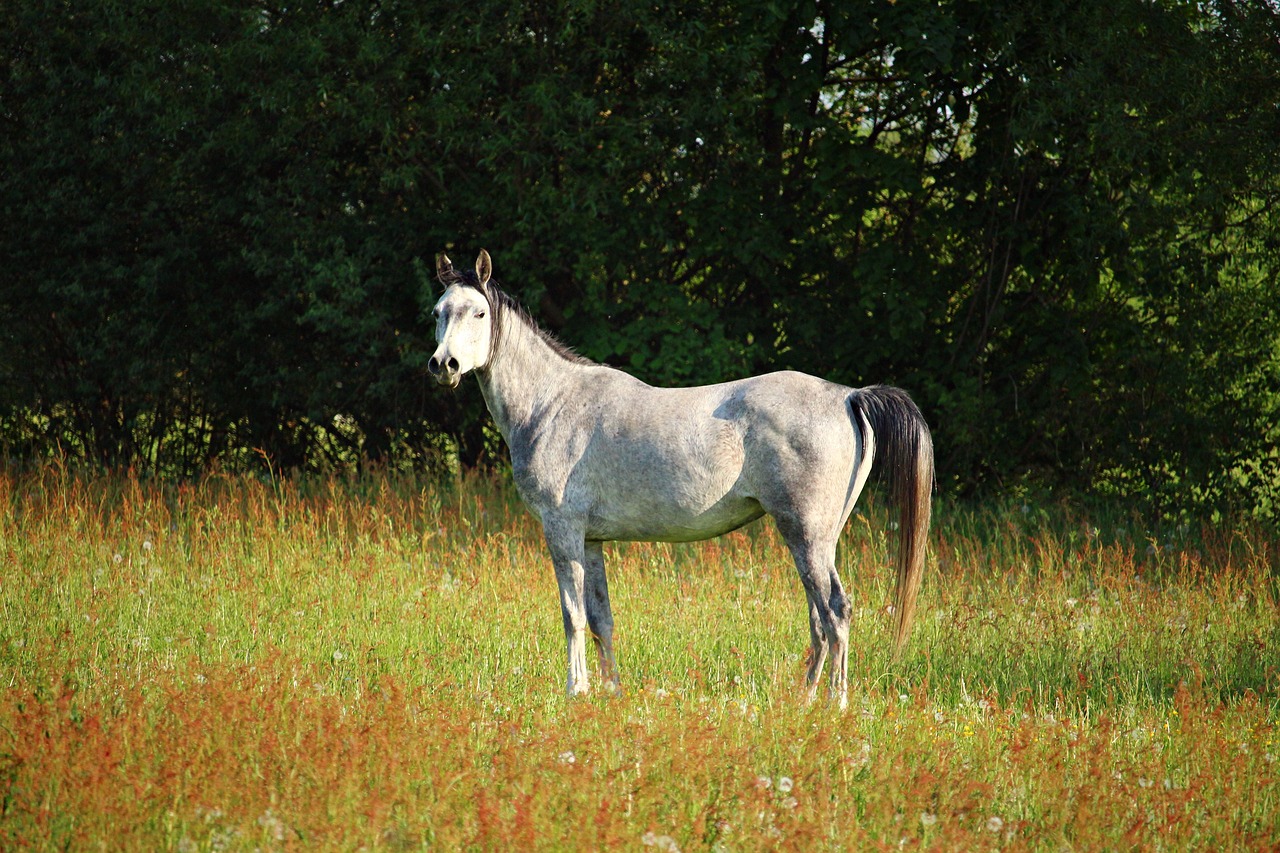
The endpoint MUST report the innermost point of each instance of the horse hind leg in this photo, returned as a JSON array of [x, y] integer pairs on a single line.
[[600, 615], [818, 651], [828, 612], [833, 612]]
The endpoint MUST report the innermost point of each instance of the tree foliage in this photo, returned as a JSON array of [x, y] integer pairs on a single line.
[[1055, 223]]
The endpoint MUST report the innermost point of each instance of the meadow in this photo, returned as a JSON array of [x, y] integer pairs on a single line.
[[377, 663]]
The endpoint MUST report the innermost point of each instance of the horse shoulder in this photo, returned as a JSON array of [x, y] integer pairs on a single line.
[[548, 450]]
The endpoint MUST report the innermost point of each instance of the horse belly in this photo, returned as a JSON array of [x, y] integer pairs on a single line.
[[669, 521], [678, 491]]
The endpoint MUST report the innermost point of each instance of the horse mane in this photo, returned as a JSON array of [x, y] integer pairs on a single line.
[[504, 307]]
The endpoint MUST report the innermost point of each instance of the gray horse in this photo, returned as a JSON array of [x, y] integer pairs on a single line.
[[599, 455]]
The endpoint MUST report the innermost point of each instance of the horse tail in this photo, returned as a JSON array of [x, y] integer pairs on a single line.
[[902, 437]]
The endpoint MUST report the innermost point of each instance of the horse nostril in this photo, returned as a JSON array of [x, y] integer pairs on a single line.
[[453, 365], [433, 365]]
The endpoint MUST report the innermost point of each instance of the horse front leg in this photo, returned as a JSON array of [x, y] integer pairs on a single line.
[[568, 555], [600, 615]]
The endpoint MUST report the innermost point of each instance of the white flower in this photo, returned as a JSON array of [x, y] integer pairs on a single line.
[[338, 655], [994, 824], [272, 824], [662, 842], [785, 784], [927, 819], [764, 782], [567, 757], [146, 544]]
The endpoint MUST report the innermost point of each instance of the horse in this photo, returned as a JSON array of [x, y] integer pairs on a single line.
[[599, 456]]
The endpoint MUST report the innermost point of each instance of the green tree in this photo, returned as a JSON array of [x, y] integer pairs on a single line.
[[1053, 222]]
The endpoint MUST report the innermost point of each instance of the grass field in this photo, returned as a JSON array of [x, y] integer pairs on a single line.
[[377, 663]]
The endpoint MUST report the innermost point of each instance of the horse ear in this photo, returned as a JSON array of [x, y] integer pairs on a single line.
[[444, 268], [484, 269]]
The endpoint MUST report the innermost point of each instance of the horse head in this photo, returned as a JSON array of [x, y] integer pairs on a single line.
[[464, 321]]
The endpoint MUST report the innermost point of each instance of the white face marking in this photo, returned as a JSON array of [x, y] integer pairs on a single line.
[[464, 332]]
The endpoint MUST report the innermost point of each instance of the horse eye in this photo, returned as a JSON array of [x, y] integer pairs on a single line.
[[479, 315]]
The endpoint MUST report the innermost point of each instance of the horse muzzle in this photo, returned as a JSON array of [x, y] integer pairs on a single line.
[[445, 371]]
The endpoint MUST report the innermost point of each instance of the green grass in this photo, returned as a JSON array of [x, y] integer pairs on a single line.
[[379, 663]]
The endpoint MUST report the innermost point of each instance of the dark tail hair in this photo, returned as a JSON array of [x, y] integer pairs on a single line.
[[904, 448]]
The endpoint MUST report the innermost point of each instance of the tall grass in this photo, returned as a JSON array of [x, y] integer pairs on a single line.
[[377, 663]]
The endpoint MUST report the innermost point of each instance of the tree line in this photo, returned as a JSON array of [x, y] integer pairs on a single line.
[[1054, 223]]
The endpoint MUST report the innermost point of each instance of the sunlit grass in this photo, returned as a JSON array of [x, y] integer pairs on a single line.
[[378, 663]]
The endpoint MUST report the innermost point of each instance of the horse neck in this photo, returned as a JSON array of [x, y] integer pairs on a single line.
[[523, 374]]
